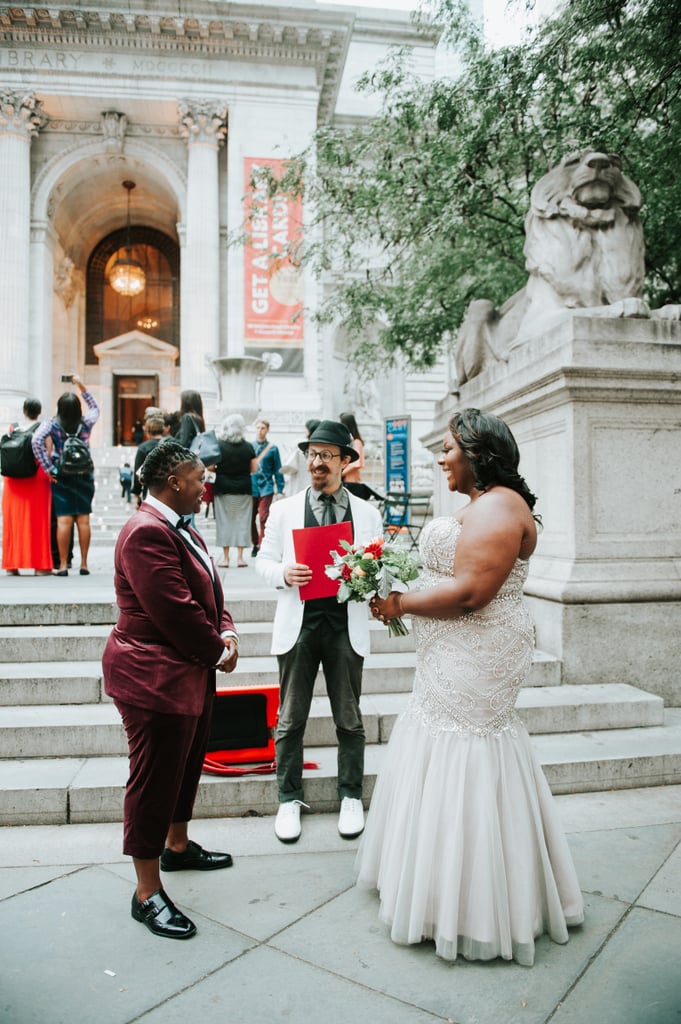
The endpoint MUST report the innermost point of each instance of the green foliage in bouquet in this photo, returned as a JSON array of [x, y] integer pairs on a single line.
[[374, 570]]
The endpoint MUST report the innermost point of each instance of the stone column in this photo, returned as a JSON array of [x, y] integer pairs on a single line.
[[203, 125], [43, 373], [20, 119]]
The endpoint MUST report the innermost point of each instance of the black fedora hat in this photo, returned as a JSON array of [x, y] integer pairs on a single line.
[[331, 432]]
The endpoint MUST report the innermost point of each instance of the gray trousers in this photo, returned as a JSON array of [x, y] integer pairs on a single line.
[[298, 669]]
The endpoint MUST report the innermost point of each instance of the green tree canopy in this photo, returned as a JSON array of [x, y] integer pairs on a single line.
[[421, 209]]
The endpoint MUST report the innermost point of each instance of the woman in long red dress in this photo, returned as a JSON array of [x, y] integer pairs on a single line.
[[26, 510]]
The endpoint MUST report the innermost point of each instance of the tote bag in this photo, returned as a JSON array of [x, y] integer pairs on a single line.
[[207, 447]]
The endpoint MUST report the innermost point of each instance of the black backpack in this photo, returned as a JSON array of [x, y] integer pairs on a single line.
[[75, 459], [16, 454]]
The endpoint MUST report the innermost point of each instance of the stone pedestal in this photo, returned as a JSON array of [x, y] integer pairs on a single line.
[[595, 405]]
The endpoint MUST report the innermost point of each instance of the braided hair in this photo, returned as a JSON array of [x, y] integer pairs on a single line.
[[492, 452], [162, 461]]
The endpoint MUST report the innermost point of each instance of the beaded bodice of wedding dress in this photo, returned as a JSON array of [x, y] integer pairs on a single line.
[[471, 668]]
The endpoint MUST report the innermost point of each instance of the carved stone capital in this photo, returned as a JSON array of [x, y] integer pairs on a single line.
[[114, 126], [20, 113], [203, 121]]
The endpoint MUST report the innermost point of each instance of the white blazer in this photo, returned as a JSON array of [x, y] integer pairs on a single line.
[[276, 551]]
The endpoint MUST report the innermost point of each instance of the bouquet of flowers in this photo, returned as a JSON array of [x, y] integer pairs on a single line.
[[375, 569]]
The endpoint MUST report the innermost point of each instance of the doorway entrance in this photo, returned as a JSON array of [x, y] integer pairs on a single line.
[[132, 395]]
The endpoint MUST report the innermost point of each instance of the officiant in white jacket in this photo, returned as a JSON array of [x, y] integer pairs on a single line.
[[310, 633]]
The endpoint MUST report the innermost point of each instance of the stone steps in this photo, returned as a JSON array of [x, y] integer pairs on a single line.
[[61, 679], [82, 632], [50, 683], [62, 747], [71, 681], [86, 642], [95, 730], [79, 790], [53, 643]]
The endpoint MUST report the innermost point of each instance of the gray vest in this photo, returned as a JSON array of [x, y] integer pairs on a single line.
[[324, 609]]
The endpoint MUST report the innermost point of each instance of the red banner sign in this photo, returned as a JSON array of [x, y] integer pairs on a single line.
[[273, 288]]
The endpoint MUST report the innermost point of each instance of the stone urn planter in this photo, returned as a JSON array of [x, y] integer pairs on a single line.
[[239, 379]]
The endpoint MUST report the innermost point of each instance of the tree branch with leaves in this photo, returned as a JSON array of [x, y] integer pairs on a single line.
[[420, 209]]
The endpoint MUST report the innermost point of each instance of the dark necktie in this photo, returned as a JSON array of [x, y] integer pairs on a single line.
[[328, 512], [183, 523]]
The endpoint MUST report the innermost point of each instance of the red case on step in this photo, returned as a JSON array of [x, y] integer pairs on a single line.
[[242, 727], [241, 740]]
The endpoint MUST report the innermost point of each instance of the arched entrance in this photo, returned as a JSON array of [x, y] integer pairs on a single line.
[[155, 309], [79, 198]]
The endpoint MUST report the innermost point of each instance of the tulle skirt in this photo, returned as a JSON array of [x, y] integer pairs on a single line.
[[464, 845]]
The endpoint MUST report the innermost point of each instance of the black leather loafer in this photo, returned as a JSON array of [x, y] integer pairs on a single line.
[[194, 858], [162, 917]]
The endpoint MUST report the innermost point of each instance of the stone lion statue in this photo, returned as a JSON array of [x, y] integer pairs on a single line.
[[584, 253]]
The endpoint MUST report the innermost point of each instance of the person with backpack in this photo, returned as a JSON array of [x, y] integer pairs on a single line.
[[61, 446], [26, 499]]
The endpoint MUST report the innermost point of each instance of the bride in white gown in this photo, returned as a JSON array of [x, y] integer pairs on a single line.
[[463, 840]]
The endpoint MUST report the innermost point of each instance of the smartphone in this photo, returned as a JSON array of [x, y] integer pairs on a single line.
[[67, 378]]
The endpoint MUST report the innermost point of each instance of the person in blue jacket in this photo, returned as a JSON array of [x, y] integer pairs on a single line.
[[264, 482]]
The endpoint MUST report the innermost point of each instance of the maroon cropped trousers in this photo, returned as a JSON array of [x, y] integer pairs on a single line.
[[166, 758]]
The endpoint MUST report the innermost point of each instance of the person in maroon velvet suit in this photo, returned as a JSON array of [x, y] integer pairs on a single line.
[[159, 666]]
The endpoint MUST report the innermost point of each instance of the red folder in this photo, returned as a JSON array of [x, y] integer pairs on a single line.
[[313, 547]]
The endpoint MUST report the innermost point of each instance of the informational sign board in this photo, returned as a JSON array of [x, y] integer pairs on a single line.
[[397, 447]]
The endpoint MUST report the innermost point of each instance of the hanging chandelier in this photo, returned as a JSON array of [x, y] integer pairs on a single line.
[[127, 276], [147, 323]]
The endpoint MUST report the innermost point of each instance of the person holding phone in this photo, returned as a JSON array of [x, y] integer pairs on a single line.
[[71, 495]]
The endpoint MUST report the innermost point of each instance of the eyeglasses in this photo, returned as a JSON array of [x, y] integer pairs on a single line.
[[322, 456]]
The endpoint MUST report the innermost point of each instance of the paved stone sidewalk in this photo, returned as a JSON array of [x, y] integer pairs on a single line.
[[285, 936]]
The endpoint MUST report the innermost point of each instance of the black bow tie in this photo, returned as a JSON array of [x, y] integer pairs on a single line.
[[183, 523]]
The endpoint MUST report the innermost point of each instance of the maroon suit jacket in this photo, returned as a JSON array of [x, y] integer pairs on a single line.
[[162, 651]]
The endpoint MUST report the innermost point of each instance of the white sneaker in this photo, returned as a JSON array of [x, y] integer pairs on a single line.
[[287, 824], [351, 818]]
